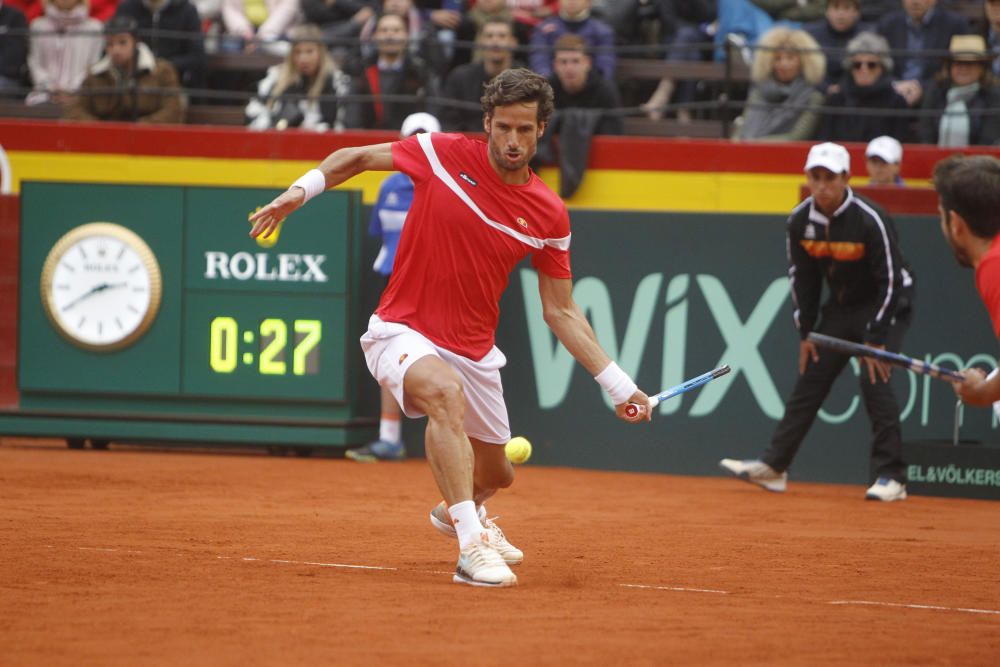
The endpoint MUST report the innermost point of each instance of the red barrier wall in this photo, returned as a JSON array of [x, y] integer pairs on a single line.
[[9, 251]]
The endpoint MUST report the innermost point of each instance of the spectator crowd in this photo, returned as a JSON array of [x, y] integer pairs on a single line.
[[829, 70]]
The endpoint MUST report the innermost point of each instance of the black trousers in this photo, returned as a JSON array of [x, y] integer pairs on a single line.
[[814, 385]]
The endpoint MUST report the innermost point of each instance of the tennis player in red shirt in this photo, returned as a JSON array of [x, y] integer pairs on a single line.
[[478, 209], [969, 200]]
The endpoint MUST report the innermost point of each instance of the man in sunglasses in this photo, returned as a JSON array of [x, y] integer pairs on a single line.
[[865, 104]]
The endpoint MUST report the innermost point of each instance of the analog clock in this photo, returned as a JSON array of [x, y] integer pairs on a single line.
[[101, 286]]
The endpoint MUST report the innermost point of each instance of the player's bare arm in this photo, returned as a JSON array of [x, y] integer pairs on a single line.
[[564, 318], [338, 167]]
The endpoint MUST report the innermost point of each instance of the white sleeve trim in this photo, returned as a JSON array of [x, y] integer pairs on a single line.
[[888, 257]]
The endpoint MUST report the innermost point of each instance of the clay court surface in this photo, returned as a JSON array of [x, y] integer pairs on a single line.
[[165, 557]]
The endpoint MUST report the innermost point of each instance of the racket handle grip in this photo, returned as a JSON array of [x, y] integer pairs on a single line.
[[632, 409]]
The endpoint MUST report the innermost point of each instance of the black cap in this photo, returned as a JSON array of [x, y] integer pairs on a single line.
[[117, 25]]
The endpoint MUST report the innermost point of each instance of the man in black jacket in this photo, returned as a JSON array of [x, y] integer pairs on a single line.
[[13, 50], [394, 84], [841, 23], [465, 83], [161, 23], [919, 26], [576, 84], [837, 234]]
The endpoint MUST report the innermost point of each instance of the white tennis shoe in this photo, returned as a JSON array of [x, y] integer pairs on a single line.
[[511, 554], [887, 490], [479, 564], [756, 472]]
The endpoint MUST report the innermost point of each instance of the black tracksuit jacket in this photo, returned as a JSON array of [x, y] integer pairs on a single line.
[[858, 253]]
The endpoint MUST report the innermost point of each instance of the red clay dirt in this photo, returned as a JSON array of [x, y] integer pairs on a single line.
[[169, 557]]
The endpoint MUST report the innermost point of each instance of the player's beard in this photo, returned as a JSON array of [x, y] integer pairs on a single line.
[[961, 256], [505, 163]]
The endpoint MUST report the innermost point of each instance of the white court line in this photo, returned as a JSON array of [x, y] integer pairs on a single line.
[[675, 588], [124, 551], [682, 589], [346, 566], [916, 606]]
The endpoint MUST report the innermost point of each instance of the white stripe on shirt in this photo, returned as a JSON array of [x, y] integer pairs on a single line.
[[446, 178]]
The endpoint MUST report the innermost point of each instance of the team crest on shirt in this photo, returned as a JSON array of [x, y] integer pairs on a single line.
[[392, 199], [810, 232], [521, 221], [468, 179]]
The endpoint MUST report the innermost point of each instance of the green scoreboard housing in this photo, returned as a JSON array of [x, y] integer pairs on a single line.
[[149, 314]]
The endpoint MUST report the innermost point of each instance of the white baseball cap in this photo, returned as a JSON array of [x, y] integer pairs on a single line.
[[885, 147], [420, 121], [829, 156]]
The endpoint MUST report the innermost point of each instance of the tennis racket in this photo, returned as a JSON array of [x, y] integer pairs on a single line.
[[632, 409], [857, 349]]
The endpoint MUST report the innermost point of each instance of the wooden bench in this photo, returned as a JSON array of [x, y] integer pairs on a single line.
[[684, 70], [722, 75], [18, 109], [241, 62], [669, 127], [215, 114]]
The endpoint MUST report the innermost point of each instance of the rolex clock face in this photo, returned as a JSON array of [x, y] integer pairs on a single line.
[[101, 286]]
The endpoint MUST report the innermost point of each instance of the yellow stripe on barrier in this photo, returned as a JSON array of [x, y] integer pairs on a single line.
[[602, 189]]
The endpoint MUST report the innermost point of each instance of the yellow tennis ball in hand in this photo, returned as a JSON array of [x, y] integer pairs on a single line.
[[518, 450], [269, 240]]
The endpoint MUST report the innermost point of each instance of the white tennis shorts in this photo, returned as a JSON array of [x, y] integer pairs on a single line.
[[391, 348]]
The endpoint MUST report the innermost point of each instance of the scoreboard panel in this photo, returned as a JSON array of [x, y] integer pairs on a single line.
[[239, 332]]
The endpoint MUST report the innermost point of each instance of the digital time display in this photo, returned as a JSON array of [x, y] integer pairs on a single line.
[[265, 345], [277, 340]]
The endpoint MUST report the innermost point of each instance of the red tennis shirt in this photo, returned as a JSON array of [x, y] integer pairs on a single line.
[[464, 233], [988, 282]]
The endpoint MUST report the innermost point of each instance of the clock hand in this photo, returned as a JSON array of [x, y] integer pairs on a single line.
[[93, 290]]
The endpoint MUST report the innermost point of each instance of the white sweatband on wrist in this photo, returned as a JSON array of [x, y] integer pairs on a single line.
[[617, 383], [313, 183]]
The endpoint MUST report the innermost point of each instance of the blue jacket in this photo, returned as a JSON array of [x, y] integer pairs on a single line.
[[598, 35], [937, 37], [388, 216]]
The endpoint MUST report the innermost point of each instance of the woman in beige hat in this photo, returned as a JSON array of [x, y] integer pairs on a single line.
[[965, 97]]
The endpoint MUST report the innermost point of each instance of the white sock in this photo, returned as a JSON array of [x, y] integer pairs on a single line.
[[465, 518], [389, 430]]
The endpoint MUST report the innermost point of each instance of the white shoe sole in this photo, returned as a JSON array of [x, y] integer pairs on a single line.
[[461, 579], [775, 486], [442, 527], [901, 496]]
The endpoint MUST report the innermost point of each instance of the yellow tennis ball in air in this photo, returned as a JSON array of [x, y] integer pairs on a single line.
[[518, 450]]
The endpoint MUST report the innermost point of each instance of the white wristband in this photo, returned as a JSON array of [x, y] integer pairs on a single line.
[[617, 383], [313, 183]]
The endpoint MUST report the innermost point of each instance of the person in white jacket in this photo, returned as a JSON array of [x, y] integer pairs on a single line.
[[65, 42], [303, 91], [261, 29]]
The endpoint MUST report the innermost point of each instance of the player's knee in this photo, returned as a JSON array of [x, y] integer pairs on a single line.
[[497, 474], [445, 399]]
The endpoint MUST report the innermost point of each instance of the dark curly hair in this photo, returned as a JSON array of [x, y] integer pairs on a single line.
[[514, 86], [970, 186]]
